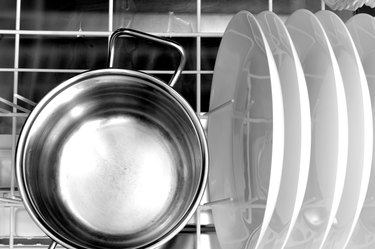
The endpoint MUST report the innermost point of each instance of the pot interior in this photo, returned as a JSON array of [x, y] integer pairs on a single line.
[[111, 161]]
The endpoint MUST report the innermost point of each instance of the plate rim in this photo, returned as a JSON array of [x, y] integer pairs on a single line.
[[278, 118], [367, 119], [305, 121], [342, 115]]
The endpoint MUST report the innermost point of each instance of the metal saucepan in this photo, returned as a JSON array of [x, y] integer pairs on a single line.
[[112, 158]]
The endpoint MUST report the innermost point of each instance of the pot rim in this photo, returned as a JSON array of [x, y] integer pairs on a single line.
[[21, 145]]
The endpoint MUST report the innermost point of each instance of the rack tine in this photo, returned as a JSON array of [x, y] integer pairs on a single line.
[[229, 102], [369, 203], [20, 97], [254, 203], [11, 200], [52, 245], [7, 102], [14, 114], [254, 120], [2, 110], [270, 5], [217, 202]]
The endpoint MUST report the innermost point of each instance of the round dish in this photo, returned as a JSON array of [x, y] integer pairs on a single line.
[[297, 131], [362, 30], [360, 130], [245, 134], [345, 4], [329, 131]]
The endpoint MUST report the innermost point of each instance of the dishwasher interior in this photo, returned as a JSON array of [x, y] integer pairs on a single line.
[[43, 43]]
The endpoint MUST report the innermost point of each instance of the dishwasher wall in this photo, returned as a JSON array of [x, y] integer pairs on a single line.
[[43, 43]]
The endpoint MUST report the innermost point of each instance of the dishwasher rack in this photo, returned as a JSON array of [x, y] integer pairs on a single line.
[[200, 28]]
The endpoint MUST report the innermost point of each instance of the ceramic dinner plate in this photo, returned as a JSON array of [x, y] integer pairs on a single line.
[[360, 130], [329, 139], [362, 30], [345, 4], [245, 135], [297, 143]]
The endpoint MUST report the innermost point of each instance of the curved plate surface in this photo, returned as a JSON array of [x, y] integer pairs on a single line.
[[345, 4], [329, 131], [360, 130], [297, 144], [362, 29], [245, 134]]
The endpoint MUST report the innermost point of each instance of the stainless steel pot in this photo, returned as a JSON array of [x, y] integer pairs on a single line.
[[112, 158]]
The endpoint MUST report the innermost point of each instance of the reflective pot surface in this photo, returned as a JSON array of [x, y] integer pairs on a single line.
[[112, 159]]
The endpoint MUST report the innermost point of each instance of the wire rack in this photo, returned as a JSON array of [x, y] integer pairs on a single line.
[[201, 26]]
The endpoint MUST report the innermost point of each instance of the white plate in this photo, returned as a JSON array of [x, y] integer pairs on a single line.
[[362, 30], [345, 4], [360, 130], [329, 131], [245, 134], [297, 144]]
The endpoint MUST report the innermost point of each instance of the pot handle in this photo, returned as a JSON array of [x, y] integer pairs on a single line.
[[138, 34]]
